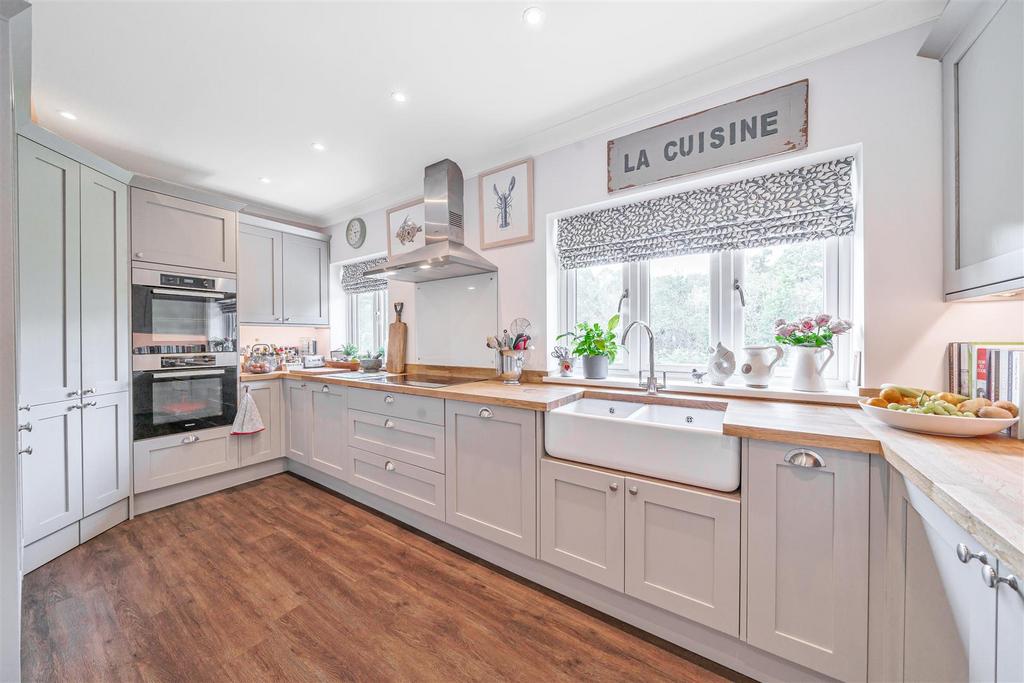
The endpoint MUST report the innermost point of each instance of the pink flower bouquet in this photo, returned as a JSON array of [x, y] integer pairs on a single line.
[[812, 330]]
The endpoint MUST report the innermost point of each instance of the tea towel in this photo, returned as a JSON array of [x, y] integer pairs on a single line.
[[247, 420]]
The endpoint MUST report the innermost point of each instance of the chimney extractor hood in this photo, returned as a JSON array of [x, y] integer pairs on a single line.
[[444, 255]]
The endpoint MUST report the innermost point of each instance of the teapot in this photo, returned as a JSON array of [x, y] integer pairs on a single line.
[[757, 369]]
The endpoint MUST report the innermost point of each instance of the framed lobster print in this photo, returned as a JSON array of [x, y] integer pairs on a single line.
[[405, 227], [506, 204]]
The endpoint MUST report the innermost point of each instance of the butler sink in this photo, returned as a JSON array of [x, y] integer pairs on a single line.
[[680, 444]]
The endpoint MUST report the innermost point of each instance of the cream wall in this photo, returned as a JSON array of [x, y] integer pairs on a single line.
[[879, 97]]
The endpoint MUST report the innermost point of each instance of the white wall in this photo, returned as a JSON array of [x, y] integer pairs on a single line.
[[880, 96]]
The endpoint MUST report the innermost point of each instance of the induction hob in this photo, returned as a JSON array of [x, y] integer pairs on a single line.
[[422, 381]]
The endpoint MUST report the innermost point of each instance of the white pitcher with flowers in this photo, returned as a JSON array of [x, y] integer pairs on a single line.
[[811, 339]]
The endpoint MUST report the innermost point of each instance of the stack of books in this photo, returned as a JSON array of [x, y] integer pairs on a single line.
[[992, 370]]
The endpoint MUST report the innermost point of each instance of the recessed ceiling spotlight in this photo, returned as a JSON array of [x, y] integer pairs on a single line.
[[425, 266], [533, 16], [265, 180], [398, 96], [319, 146], [68, 115]]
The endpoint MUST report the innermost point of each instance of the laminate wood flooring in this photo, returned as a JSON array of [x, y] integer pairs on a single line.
[[282, 580]]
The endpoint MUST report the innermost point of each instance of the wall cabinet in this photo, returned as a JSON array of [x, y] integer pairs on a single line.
[[170, 231], [106, 450], [329, 423], [298, 409], [265, 445], [807, 556], [491, 455], [51, 469], [282, 277]]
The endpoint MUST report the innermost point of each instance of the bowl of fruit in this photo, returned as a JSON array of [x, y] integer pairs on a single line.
[[943, 413]]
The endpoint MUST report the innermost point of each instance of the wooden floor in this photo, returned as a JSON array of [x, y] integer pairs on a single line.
[[282, 580]]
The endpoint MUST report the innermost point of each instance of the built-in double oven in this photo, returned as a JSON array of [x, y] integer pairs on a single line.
[[184, 351]]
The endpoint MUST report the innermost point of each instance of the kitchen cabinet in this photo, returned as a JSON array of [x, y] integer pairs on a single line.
[[171, 231], [329, 423], [106, 450], [806, 514], [945, 622], [177, 458], [51, 468], [410, 486], [298, 408], [582, 521], [491, 455], [683, 551], [265, 445], [417, 443], [983, 171], [282, 277]]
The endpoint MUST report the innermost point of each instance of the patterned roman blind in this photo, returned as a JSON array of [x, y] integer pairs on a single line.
[[353, 280], [808, 203]]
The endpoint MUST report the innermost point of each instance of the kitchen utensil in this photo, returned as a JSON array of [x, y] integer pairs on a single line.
[[757, 369], [946, 425], [397, 333], [519, 326], [511, 365]]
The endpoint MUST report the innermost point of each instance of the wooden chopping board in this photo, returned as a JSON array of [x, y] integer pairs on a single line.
[[397, 332]]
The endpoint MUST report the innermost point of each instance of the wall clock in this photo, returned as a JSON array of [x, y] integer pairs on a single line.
[[355, 233]]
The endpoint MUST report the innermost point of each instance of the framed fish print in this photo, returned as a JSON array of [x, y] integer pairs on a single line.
[[406, 227], [506, 204]]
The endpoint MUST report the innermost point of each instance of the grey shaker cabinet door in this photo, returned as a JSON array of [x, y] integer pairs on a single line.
[[106, 352], [683, 552], [329, 426], [298, 406], [49, 329], [260, 268], [1010, 631], [177, 232], [51, 475], [491, 473], [581, 521], [265, 445], [106, 450], [807, 558], [172, 459], [305, 280]]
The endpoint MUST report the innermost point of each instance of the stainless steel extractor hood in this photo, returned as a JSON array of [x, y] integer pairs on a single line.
[[445, 254]]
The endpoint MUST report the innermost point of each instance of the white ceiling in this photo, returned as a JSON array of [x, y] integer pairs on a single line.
[[218, 94]]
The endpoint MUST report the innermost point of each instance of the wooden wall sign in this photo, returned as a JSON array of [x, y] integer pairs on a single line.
[[758, 126]]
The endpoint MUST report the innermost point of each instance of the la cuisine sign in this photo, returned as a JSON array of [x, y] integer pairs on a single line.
[[762, 125]]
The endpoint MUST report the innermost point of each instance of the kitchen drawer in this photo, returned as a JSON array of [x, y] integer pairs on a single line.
[[408, 406], [168, 460], [415, 443], [414, 487]]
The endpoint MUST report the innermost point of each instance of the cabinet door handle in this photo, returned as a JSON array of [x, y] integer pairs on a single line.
[[27, 427], [801, 457], [191, 438], [77, 406], [302, 386], [287, 319], [89, 404], [966, 555], [26, 407], [90, 390], [485, 413], [992, 579], [389, 399], [389, 424], [73, 393], [277, 317], [27, 450], [389, 466], [614, 486], [325, 388], [633, 490]]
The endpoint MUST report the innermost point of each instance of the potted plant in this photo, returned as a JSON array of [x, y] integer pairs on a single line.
[[810, 337], [596, 346]]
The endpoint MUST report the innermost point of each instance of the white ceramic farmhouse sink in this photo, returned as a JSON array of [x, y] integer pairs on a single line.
[[679, 444]]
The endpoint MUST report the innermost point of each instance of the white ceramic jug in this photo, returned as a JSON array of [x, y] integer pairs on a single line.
[[807, 370], [757, 369]]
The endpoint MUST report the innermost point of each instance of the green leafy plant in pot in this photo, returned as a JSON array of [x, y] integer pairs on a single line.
[[595, 345]]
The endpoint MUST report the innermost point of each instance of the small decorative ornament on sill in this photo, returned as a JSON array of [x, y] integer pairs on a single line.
[[811, 338], [566, 361]]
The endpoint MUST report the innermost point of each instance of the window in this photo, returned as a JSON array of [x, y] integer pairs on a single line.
[[367, 320], [694, 301]]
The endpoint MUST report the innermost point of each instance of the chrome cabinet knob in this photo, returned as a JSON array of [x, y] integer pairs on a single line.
[[614, 486], [633, 490], [965, 555], [90, 390], [389, 399], [389, 466], [486, 413], [302, 386], [77, 406], [992, 579], [389, 424], [191, 438], [89, 404], [802, 457], [27, 450], [26, 407], [73, 393], [325, 388], [287, 319], [27, 427], [138, 254], [277, 317]]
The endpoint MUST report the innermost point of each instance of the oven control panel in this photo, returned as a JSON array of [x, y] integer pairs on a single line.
[[190, 281], [201, 361]]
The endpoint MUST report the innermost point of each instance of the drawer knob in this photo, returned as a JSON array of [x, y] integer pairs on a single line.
[[389, 466], [73, 393], [485, 413], [325, 388], [389, 399], [389, 424], [90, 390], [27, 450], [614, 486], [27, 427], [302, 386], [966, 555], [25, 407], [191, 438], [77, 406], [89, 404], [801, 457], [633, 490], [138, 254], [992, 579]]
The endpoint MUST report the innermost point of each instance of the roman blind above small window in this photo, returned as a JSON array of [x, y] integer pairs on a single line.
[[354, 280], [807, 203]]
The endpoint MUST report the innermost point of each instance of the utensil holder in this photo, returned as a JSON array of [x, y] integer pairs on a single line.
[[510, 367]]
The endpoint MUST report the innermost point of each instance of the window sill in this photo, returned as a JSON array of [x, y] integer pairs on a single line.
[[778, 390]]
